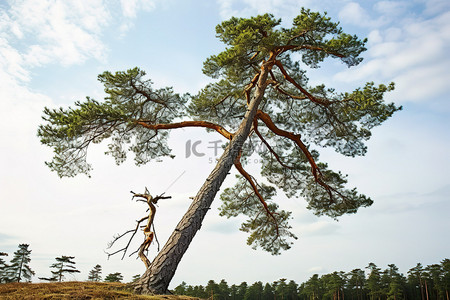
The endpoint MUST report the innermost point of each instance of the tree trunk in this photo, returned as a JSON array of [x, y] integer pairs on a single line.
[[156, 279]]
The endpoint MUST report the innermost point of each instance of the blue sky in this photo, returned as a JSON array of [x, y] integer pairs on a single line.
[[51, 53]]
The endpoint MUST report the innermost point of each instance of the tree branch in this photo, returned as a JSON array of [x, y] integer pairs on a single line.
[[309, 47], [296, 139], [238, 165], [255, 127], [250, 86], [183, 124], [151, 201], [298, 86], [145, 94]]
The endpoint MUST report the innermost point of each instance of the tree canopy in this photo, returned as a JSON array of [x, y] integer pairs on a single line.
[[430, 282]]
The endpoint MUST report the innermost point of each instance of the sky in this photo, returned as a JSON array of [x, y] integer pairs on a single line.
[[51, 52]]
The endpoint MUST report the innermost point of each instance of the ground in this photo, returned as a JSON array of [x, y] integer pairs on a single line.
[[75, 290]]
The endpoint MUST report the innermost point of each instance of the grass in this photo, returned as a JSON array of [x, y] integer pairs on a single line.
[[75, 290]]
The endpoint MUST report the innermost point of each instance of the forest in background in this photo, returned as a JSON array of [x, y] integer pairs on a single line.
[[429, 282], [372, 282]]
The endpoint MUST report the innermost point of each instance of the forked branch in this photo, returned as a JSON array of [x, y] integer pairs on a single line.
[[148, 233], [277, 157], [296, 139], [298, 86]]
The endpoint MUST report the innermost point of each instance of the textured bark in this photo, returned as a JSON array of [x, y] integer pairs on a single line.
[[157, 278]]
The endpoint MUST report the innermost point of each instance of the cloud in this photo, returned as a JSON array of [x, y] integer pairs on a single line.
[[130, 9], [414, 54], [316, 270], [353, 13], [319, 228], [229, 8], [60, 32], [433, 7], [392, 8]]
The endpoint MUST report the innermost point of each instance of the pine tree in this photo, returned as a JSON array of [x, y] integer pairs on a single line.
[[114, 277], [259, 94], [19, 268], [94, 274], [135, 278], [64, 264], [3, 267]]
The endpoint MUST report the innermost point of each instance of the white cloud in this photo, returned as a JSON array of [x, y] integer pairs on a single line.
[[379, 14], [394, 8], [413, 54], [316, 270], [319, 228], [39, 32], [436, 6], [131, 7], [353, 13], [229, 8]]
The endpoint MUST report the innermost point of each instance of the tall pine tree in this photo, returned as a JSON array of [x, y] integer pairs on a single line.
[[259, 94], [3, 267], [19, 269]]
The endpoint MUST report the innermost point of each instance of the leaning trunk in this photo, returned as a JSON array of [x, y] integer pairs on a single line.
[[156, 279]]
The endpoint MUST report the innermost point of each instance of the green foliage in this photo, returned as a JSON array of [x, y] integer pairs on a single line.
[[297, 180], [135, 278], [311, 115], [317, 30], [95, 274], [255, 291], [63, 265], [18, 269], [114, 277], [266, 231], [356, 284], [130, 99], [3, 268], [344, 122]]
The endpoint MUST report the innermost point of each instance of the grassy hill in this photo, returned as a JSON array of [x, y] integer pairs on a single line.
[[75, 290]]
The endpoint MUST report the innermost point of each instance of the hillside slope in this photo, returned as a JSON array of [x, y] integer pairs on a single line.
[[75, 290]]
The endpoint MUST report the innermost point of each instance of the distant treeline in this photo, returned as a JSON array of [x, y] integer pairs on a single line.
[[427, 283]]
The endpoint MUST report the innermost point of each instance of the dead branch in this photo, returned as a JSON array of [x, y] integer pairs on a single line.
[[148, 233]]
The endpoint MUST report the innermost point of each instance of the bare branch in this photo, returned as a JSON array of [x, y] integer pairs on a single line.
[[151, 201], [125, 249]]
